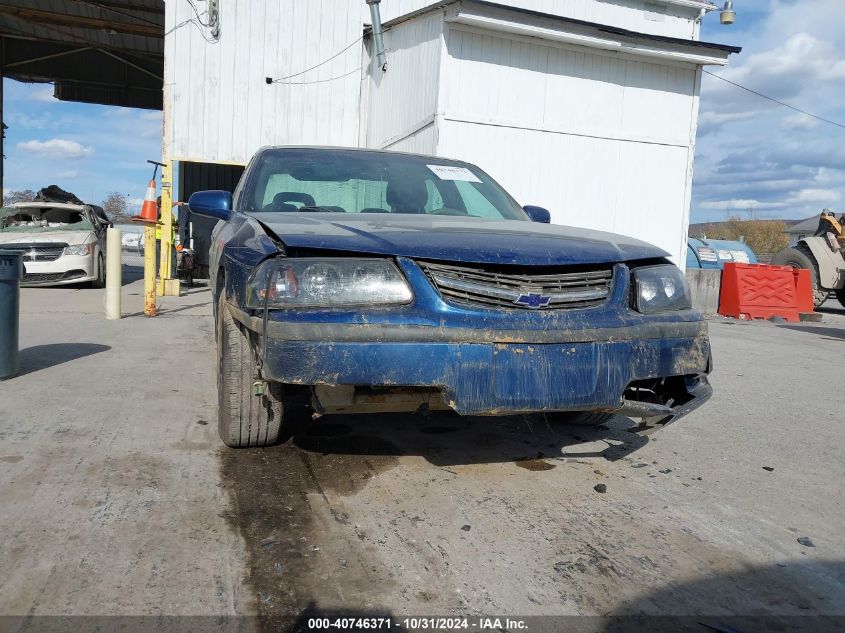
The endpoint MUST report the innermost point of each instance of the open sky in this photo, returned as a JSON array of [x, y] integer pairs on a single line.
[[751, 154], [90, 150], [754, 154]]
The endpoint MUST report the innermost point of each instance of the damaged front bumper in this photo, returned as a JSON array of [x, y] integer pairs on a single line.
[[652, 371]]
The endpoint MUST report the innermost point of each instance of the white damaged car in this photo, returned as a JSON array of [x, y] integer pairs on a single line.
[[61, 243]]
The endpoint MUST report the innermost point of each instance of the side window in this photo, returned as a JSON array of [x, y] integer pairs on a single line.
[[476, 204]]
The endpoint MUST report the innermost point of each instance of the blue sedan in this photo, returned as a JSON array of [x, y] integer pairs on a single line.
[[349, 281]]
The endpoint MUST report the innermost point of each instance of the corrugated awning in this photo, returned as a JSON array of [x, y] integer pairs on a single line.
[[95, 51]]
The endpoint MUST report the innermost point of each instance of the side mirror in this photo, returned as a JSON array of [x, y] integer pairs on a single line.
[[538, 214], [214, 204]]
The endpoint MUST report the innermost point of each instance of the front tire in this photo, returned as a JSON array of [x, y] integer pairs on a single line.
[[244, 419], [100, 281], [801, 257]]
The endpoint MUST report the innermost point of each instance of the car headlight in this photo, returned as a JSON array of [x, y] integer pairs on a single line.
[[326, 283], [661, 288], [79, 249]]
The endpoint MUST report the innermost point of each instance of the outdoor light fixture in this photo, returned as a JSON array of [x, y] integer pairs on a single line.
[[727, 15]]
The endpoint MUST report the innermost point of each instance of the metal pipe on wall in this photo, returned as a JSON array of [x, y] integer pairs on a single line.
[[378, 34], [114, 273]]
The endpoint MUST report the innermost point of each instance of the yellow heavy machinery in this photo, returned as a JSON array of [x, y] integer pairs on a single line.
[[822, 255]]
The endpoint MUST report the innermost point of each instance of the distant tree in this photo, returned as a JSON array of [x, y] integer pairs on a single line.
[[114, 205], [764, 237], [24, 195]]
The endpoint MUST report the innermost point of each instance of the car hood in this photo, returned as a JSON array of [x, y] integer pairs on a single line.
[[476, 240], [40, 237]]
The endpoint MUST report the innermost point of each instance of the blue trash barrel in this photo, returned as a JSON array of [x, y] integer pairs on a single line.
[[714, 254], [11, 273]]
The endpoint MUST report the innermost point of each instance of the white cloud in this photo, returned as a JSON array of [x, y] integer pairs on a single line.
[[56, 148], [44, 94], [740, 205], [753, 153], [816, 195], [28, 121], [799, 121], [70, 174], [711, 117]]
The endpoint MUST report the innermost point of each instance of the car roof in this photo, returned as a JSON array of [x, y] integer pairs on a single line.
[[362, 150]]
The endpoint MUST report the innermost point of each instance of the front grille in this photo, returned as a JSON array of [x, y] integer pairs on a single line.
[[42, 278], [38, 252], [562, 288]]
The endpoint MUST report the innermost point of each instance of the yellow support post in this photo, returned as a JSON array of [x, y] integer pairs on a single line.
[[168, 286], [150, 270]]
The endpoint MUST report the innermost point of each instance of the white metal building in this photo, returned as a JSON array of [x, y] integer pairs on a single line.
[[586, 107]]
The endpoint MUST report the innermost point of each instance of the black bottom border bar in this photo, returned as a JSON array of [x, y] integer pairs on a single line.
[[317, 620]]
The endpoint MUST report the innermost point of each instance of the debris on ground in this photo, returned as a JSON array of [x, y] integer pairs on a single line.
[[640, 465], [466, 528], [602, 488], [269, 543], [665, 471], [806, 541], [769, 468]]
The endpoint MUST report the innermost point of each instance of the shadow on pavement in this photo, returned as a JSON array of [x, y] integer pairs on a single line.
[[792, 596], [131, 274], [832, 333], [447, 439], [40, 357]]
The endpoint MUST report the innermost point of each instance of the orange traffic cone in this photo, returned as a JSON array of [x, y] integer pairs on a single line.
[[149, 210]]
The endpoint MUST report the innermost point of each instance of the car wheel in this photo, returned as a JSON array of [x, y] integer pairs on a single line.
[[244, 419], [100, 281], [801, 257]]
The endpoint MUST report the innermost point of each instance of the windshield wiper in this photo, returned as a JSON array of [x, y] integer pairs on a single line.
[[319, 209]]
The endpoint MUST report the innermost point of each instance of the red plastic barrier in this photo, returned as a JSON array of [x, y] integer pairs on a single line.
[[759, 291], [804, 289]]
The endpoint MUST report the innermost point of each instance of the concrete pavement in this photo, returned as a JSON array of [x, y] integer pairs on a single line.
[[118, 498]]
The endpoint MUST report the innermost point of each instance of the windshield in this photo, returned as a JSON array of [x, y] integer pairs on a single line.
[[355, 181], [40, 219]]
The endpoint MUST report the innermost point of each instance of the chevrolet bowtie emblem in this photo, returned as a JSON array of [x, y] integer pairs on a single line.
[[533, 300]]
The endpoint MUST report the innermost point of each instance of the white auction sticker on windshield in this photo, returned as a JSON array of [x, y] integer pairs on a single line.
[[452, 172]]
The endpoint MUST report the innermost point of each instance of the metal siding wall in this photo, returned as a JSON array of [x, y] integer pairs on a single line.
[[423, 141], [646, 16], [222, 110], [602, 141], [404, 99], [636, 189], [565, 90]]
